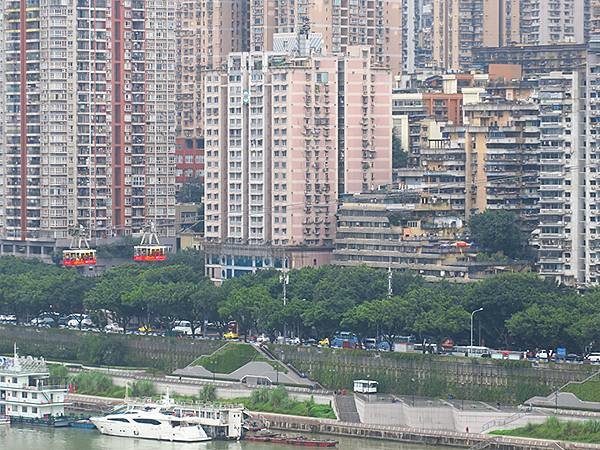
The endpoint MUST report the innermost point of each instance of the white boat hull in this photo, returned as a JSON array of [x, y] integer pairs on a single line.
[[162, 432]]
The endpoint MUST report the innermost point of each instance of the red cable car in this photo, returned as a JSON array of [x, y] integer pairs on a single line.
[[79, 254], [149, 249]]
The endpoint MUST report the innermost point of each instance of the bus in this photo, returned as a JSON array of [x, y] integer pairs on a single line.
[[471, 351]]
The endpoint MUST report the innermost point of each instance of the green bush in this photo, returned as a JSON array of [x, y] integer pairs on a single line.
[[587, 431], [143, 388], [96, 383], [278, 401], [208, 393], [58, 371]]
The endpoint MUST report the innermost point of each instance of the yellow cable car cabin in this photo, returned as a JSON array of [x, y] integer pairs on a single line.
[[79, 257], [149, 253]]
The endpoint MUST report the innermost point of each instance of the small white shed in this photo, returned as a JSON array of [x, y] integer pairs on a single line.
[[365, 386]]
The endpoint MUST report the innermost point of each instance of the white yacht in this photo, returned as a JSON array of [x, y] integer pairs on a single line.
[[150, 421]]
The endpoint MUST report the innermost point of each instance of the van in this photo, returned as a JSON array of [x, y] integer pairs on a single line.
[[182, 327]]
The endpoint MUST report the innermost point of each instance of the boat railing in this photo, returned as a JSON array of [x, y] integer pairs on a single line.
[[45, 387]]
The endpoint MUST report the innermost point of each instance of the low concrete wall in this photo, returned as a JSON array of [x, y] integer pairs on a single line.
[[223, 390], [438, 416], [411, 435], [563, 400]]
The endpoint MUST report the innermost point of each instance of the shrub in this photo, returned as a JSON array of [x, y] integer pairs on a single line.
[[143, 388]]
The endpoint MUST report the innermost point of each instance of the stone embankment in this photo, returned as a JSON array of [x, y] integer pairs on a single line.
[[412, 435]]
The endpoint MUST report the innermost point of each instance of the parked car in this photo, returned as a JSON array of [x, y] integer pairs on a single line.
[[8, 318], [324, 342], [231, 335], [43, 322], [262, 339], [293, 341], [80, 321], [183, 327], [593, 357], [542, 354], [113, 328]]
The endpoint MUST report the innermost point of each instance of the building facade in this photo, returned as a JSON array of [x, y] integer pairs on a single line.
[[88, 123], [206, 33], [284, 135], [375, 24], [546, 22], [410, 232], [561, 239]]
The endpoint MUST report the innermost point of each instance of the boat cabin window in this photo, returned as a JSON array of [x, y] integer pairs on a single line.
[[118, 419], [147, 421]]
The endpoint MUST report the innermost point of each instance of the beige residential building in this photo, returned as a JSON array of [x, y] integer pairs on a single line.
[[344, 23], [279, 150], [207, 31], [459, 26], [546, 22], [501, 22]]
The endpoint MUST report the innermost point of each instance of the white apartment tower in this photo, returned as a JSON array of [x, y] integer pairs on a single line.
[[561, 237]]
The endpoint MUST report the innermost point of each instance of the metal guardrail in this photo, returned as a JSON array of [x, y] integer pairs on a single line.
[[504, 421]]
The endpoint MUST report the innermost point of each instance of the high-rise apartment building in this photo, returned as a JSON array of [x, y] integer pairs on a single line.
[[554, 21], [284, 135], [377, 24], [459, 26], [561, 238], [207, 31], [501, 22], [88, 123]]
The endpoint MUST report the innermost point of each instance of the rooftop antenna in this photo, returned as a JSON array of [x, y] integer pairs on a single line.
[[16, 364], [303, 33]]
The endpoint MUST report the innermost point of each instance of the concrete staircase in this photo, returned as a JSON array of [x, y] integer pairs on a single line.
[[346, 408]]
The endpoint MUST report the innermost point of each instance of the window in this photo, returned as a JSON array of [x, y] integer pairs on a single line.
[[147, 421], [118, 419]]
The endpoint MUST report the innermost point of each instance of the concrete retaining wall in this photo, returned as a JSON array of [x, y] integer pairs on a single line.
[[412, 435]]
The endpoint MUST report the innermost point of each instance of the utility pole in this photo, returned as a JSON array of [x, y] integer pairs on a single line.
[[284, 279], [473, 315], [390, 276]]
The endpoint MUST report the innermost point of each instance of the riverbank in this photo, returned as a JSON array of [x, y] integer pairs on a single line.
[[404, 435], [413, 435], [587, 432]]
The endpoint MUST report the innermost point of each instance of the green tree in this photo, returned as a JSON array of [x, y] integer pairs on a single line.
[[119, 294], [540, 326], [244, 306], [191, 191], [399, 156], [498, 231]]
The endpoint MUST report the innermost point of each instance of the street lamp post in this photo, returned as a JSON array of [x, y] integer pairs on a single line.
[[473, 315], [284, 278]]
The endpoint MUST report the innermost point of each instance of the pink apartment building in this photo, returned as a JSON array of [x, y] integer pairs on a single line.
[[285, 135]]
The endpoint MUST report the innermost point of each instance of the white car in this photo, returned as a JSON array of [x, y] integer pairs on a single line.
[[262, 339], [593, 357], [85, 320], [542, 354], [113, 328], [183, 327]]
